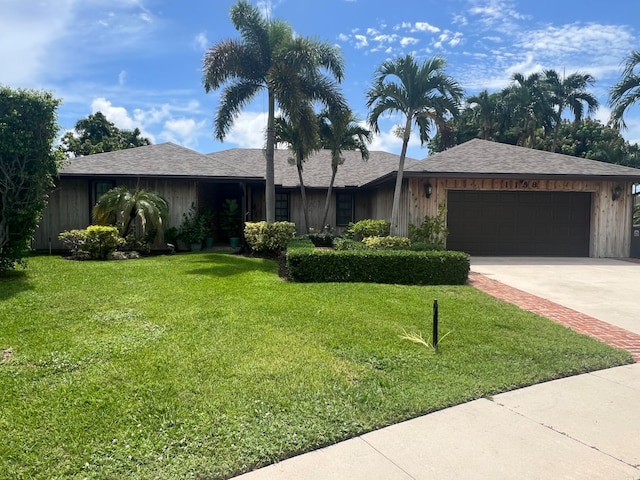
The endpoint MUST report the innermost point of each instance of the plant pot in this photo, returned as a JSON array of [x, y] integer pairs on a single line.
[[196, 247], [234, 241]]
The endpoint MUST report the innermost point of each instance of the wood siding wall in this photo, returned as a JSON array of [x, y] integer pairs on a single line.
[[610, 234]]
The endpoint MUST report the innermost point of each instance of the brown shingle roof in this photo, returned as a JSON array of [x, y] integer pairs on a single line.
[[317, 168], [165, 159], [491, 159]]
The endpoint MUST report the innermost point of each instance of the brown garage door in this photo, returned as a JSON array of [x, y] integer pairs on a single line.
[[519, 223]]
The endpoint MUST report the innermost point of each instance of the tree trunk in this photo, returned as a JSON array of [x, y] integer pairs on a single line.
[[270, 188], [334, 170], [395, 209], [303, 194]]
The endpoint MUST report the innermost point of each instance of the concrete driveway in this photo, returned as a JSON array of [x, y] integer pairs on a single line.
[[603, 288]]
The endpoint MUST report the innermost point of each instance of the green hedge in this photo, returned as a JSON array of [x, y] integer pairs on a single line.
[[308, 264]]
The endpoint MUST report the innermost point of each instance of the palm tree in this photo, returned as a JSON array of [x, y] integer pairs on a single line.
[[423, 93], [341, 131], [570, 92], [484, 106], [268, 56], [302, 140], [626, 92], [149, 208]]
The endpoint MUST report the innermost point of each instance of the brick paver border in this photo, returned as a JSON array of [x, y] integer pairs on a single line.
[[581, 323]]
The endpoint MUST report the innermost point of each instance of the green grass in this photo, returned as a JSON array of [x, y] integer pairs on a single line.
[[206, 365]]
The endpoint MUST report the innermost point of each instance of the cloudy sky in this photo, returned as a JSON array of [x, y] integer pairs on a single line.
[[139, 61]]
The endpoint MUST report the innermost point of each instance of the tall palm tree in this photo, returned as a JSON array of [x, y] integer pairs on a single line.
[[626, 92], [484, 106], [570, 92], [302, 140], [341, 131], [147, 208], [268, 56], [422, 93], [529, 106]]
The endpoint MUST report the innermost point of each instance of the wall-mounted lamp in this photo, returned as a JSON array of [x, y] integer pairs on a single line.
[[428, 190], [616, 192]]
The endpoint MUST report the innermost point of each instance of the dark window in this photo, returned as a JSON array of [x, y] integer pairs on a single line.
[[100, 188], [282, 207], [344, 209]]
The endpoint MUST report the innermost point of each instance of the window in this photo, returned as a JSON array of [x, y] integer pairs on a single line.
[[100, 188], [282, 207], [344, 209]]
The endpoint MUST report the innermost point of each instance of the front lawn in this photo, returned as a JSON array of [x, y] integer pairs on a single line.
[[205, 365]]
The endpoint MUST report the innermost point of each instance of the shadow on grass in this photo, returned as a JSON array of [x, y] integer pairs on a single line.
[[227, 265], [13, 282]]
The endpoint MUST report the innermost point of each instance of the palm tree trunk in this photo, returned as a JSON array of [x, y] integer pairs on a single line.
[[303, 194], [334, 170], [270, 188], [396, 194]]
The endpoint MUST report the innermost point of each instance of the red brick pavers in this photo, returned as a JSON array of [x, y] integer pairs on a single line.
[[581, 323]]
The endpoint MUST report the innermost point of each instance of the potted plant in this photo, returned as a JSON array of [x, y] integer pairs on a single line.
[[193, 228], [231, 221]]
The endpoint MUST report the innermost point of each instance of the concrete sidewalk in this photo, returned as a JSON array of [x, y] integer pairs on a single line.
[[582, 427]]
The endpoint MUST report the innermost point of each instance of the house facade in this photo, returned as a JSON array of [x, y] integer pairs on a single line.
[[500, 199]]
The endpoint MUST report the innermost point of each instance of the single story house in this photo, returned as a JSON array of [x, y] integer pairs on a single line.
[[500, 199]]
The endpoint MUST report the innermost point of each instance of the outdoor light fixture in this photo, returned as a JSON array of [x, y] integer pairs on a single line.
[[616, 192], [428, 190]]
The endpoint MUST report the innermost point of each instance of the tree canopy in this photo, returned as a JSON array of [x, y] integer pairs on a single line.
[[96, 134], [28, 164]]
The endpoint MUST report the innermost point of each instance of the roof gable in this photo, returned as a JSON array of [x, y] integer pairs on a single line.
[[485, 158]]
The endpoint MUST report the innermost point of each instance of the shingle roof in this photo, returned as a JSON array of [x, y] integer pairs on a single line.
[[165, 159], [316, 169], [485, 158]]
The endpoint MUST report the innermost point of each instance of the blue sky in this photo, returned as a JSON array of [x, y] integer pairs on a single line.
[[139, 61]]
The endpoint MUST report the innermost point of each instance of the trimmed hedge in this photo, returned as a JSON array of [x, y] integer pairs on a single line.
[[264, 238], [308, 264]]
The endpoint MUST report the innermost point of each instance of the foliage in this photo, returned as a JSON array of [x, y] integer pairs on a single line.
[[378, 266], [432, 230], [231, 217], [97, 242], [423, 94], [96, 134], [147, 210], [268, 239], [340, 243], [322, 239], [387, 243], [194, 226], [208, 365], [367, 228], [425, 246], [295, 71], [28, 165], [626, 92]]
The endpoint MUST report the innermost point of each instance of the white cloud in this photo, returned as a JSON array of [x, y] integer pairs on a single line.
[[361, 41], [406, 41], [183, 131], [248, 130], [425, 27], [201, 42], [122, 77]]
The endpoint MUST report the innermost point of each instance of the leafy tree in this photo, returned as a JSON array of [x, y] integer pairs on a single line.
[[96, 134], [28, 164], [341, 131], [626, 92], [268, 56], [485, 113], [422, 93], [570, 92], [302, 140], [146, 209]]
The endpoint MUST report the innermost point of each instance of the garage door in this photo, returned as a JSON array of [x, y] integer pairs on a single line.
[[519, 223]]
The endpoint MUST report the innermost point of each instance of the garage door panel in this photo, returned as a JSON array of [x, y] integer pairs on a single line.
[[519, 223]]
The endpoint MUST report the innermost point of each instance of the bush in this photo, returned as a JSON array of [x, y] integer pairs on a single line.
[[425, 246], [306, 264], [321, 239], [387, 243], [269, 239], [97, 242], [433, 230], [347, 244], [367, 228]]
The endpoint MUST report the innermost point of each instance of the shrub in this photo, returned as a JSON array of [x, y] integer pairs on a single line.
[[433, 230], [265, 238], [347, 244], [321, 239], [367, 228], [97, 242], [378, 266], [387, 243], [425, 246]]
